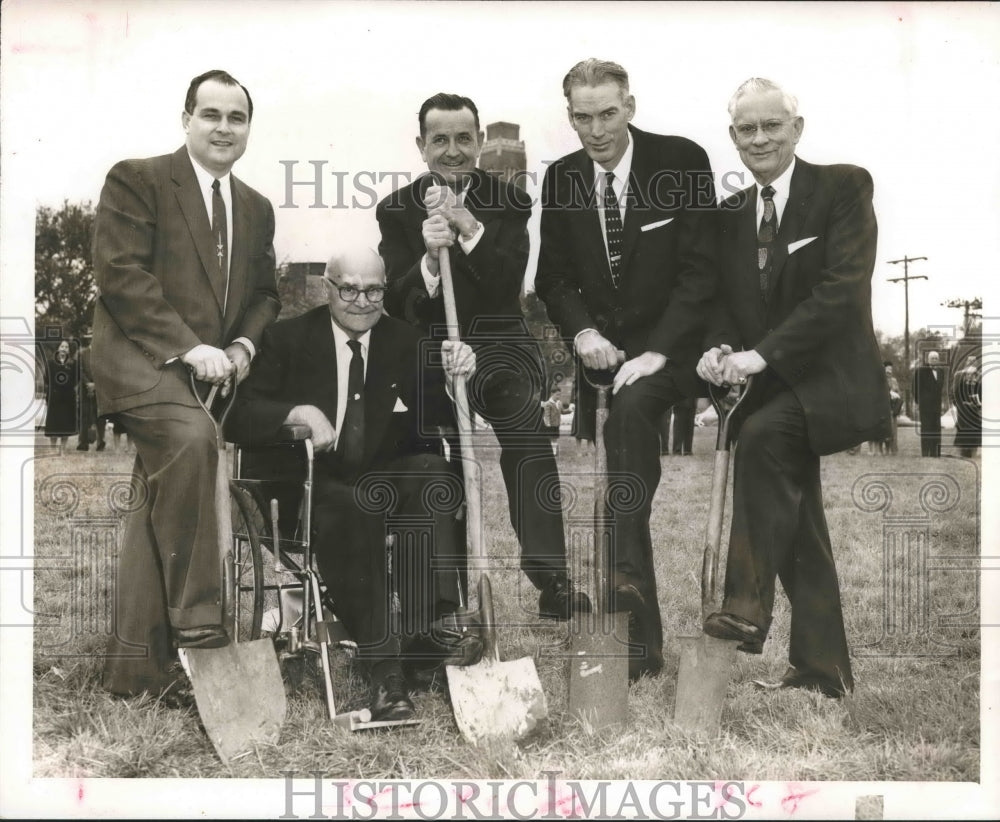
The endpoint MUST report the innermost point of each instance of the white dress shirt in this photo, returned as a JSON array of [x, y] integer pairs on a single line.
[[205, 180], [782, 186], [344, 357]]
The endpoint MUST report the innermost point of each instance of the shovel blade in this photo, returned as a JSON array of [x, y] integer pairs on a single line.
[[239, 693], [496, 699], [706, 665], [598, 674]]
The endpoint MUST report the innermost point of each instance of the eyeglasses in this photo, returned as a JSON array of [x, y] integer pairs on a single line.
[[348, 293], [747, 131]]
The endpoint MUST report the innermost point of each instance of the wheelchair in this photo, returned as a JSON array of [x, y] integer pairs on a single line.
[[275, 588]]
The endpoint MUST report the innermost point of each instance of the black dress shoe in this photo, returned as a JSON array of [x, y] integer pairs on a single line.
[[204, 636], [559, 599], [644, 659], [391, 701], [101, 446], [728, 626], [794, 679]]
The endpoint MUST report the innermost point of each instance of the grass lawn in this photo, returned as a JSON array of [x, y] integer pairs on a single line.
[[905, 531]]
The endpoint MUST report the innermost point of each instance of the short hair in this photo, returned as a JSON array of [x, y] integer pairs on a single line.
[[594, 72], [886, 363], [446, 102], [759, 84], [219, 76]]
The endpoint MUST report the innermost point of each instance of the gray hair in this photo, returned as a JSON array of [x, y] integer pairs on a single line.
[[594, 72], [759, 84]]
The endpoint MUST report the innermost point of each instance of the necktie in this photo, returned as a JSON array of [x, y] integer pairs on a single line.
[[765, 239], [613, 224], [221, 235], [351, 444]]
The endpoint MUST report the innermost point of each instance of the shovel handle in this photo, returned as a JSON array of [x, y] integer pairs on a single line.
[[600, 496], [717, 503]]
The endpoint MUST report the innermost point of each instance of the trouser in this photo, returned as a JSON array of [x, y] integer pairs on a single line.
[[631, 435], [168, 566], [779, 529], [416, 499]]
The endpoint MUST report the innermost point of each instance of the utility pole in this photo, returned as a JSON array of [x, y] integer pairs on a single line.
[[905, 279], [969, 306]]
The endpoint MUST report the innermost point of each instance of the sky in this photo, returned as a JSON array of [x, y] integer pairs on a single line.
[[901, 89], [907, 90]]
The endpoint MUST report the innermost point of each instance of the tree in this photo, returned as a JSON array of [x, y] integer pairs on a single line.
[[65, 290]]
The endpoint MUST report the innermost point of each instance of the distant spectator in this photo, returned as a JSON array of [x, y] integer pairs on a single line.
[[62, 414], [967, 391], [683, 427], [928, 389], [88, 407], [552, 416], [890, 445]]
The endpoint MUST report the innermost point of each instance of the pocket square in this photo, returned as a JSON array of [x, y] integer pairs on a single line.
[[793, 247], [651, 226], [399, 407]]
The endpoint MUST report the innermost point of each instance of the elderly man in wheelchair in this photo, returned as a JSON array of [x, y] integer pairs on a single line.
[[361, 383]]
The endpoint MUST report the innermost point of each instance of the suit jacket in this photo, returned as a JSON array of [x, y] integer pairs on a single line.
[[928, 393], [153, 251], [297, 365], [487, 281], [815, 329], [668, 273]]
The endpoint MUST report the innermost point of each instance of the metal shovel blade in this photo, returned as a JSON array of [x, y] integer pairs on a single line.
[[706, 664], [239, 693], [598, 671], [494, 699]]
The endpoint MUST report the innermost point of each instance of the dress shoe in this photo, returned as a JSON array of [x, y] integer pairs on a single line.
[[644, 659], [728, 626], [101, 446], [204, 636], [559, 599], [448, 643], [390, 700], [794, 679]]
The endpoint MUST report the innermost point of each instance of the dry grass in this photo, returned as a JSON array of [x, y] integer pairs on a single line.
[[914, 716]]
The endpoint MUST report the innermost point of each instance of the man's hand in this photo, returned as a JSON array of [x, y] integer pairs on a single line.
[[736, 367], [596, 352], [442, 200], [438, 234], [642, 366], [459, 359], [209, 364], [240, 358], [709, 367], [323, 433]]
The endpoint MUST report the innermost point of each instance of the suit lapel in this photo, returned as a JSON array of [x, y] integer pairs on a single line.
[[240, 244], [380, 389], [320, 362], [796, 209], [638, 185], [192, 206]]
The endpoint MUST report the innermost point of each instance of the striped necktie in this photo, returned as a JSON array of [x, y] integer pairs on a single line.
[[613, 225]]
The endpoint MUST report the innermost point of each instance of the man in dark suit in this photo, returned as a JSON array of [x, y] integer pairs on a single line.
[[185, 268], [928, 382], [481, 224], [375, 465], [626, 269], [794, 310]]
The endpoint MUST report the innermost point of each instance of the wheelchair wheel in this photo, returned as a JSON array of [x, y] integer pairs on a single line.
[[248, 583]]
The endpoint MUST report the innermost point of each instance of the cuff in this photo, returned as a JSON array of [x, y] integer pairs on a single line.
[[431, 283], [470, 244], [249, 346], [585, 330]]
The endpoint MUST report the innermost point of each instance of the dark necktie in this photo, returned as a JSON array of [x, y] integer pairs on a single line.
[[765, 239], [351, 444], [613, 225], [221, 236]]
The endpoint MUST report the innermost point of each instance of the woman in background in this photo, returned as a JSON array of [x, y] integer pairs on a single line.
[[62, 418]]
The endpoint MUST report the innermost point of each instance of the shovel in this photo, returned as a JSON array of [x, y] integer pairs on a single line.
[[706, 662], [491, 699], [238, 688], [598, 665]]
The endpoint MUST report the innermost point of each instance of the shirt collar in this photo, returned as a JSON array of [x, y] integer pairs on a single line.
[[783, 185], [624, 167], [205, 178], [340, 338]]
